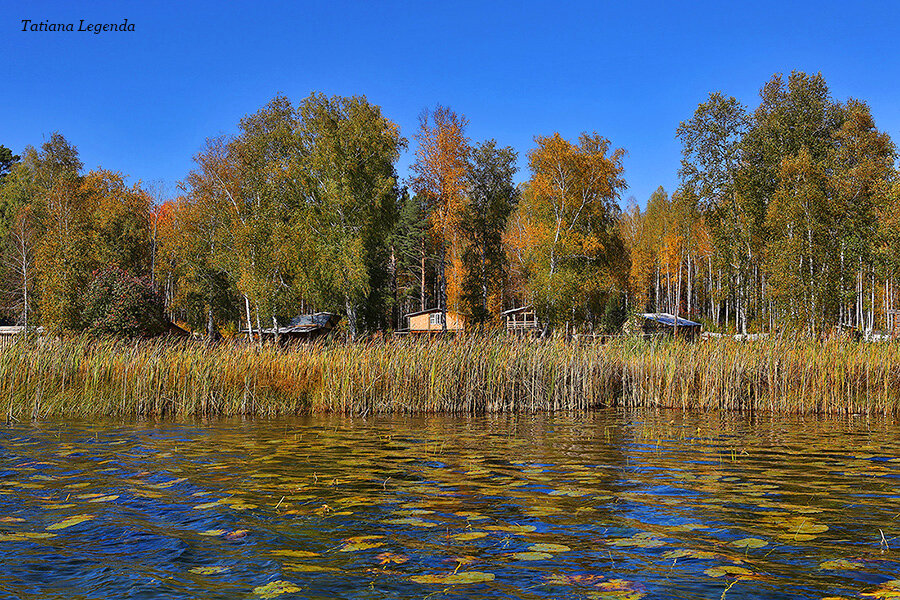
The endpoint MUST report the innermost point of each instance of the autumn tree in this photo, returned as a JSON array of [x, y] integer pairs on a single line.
[[569, 210], [440, 177]]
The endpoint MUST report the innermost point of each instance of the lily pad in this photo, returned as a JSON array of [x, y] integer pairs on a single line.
[[516, 529], [415, 522], [532, 555], [470, 535], [109, 498], [303, 568], [748, 543], [69, 522], [213, 532], [296, 553], [727, 570], [840, 564], [552, 548], [357, 546], [208, 570], [464, 578], [275, 588]]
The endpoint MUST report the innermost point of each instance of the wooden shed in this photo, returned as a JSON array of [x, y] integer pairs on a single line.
[[666, 324], [431, 321], [303, 327], [522, 320]]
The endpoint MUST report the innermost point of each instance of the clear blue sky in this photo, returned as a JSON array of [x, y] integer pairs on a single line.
[[143, 102]]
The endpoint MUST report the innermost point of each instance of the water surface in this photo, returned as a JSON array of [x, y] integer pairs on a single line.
[[601, 505]]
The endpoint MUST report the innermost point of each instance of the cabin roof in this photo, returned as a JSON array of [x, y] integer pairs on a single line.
[[667, 319], [428, 311], [517, 310], [311, 321]]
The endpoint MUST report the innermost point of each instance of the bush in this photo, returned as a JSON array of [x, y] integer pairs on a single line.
[[118, 304]]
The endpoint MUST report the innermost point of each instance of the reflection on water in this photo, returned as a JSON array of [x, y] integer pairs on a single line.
[[603, 505]]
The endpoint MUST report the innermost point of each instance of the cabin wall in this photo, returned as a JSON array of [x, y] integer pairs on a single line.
[[455, 322]]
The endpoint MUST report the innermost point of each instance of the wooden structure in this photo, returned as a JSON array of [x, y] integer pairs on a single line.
[[522, 320], [666, 324], [302, 328], [431, 321]]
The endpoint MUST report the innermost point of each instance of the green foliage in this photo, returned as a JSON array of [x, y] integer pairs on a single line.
[[568, 227], [492, 197], [118, 304]]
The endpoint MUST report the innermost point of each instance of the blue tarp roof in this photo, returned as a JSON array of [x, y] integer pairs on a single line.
[[315, 320], [667, 319]]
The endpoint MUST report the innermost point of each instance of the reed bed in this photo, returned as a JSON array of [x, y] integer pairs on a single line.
[[82, 377]]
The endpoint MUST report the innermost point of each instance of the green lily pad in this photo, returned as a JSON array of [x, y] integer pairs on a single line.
[[727, 570], [516, 529], [296, 553], [470, 535], [208, 570], [69, 522], [840, 564], [275, 588], [552, 548], [464, 578], [748, 543], [532, 556]]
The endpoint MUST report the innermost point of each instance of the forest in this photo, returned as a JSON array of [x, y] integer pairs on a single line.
[[786, 218]]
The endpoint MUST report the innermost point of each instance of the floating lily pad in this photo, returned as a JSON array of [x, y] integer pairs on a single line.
[[516, 529], [748, 543], [470, 535], [532, 555], [208, 570], [69, 522], [464, 578], [275, 588], [296, 553], [552, 548], [727, 570], [357, 546], [415, 522], [109, 498], [303, 568], [213, 532], [888, 589], [840, 564], [617, 589]]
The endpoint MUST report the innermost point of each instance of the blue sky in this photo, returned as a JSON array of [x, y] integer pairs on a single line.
[[143, 102]]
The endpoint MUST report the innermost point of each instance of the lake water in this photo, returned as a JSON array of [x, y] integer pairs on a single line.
[[600, 505]]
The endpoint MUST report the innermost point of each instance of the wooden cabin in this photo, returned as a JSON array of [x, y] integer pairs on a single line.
[[430, 321], [522, 320], [652, 324]]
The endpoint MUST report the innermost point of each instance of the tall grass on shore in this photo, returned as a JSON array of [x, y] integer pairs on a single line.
[[89, 377]]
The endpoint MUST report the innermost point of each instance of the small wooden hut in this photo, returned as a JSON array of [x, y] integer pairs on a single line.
[[666, 324], [431, 321], [303, 328], [522, 320]]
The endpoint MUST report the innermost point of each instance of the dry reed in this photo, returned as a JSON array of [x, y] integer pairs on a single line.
[[82, 377]]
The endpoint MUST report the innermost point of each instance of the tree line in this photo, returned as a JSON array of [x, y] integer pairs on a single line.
[[785, 218]]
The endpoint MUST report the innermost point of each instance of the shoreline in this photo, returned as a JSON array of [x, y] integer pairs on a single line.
[[88, 377]]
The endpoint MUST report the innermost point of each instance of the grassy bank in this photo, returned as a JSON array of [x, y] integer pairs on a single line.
[[85, 377]]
